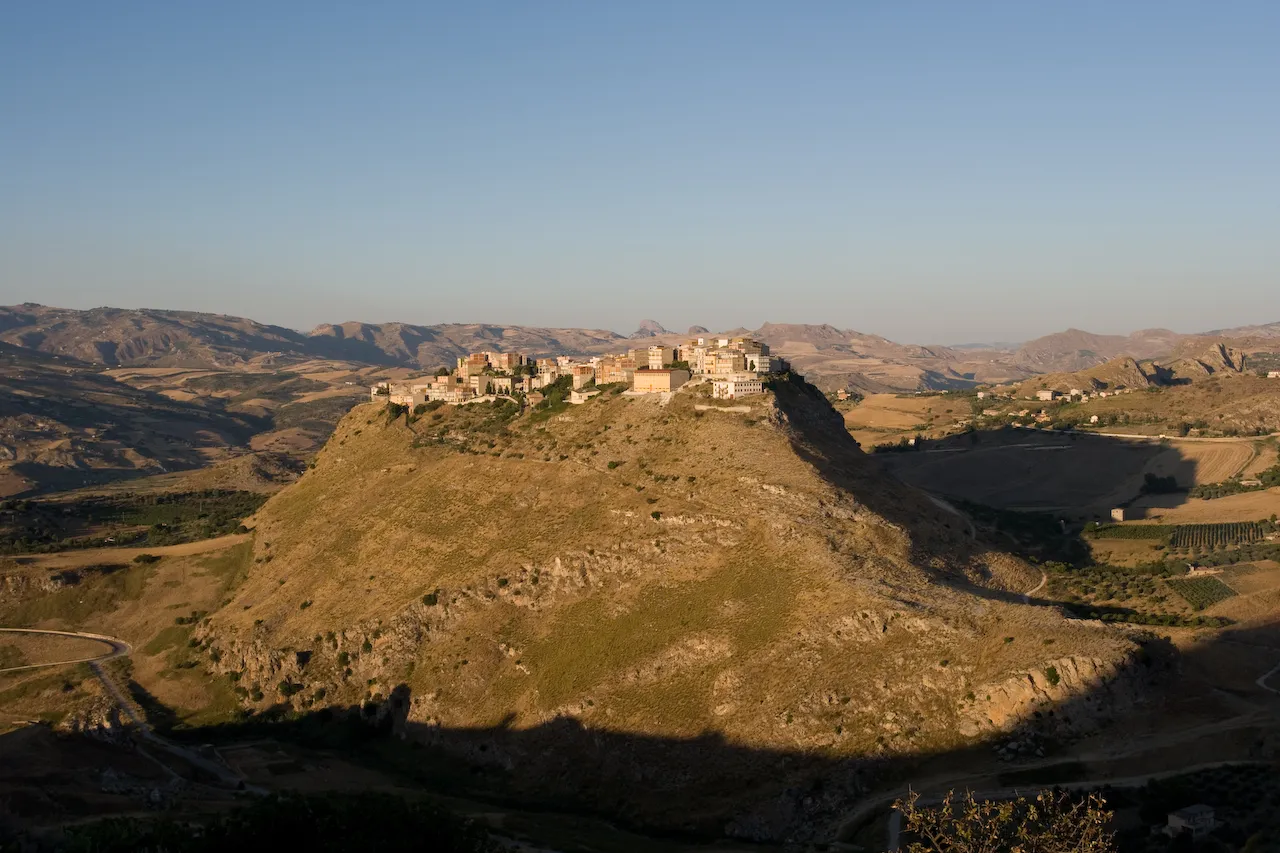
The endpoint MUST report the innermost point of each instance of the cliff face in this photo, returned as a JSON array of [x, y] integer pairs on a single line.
[[610, 587]]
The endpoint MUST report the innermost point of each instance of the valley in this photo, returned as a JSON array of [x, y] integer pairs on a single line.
[[594, 616]]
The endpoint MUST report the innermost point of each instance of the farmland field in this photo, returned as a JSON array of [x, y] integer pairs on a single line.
[[1194, 463], [1024, 469], [1261, 504], [1201, 592], [1206, 536]]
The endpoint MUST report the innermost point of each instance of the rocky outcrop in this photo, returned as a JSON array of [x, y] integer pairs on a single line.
[[1068, 694]]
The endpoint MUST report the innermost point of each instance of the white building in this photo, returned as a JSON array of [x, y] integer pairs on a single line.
[[1046, 396], [735, 386], [1197, 821], [1273, 374]]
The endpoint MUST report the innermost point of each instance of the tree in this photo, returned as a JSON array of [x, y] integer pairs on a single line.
[[1053, 822]]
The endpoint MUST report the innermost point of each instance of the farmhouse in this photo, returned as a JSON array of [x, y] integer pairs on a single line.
[[1046, 396], [649, 381], [1196, 821]]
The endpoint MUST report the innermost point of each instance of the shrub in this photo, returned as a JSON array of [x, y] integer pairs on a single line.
[[655, 515], [431, 599], [304, 605], [146, 559], [614, 464], [1051, 675]]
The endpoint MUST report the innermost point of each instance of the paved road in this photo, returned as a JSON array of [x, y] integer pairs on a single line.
[[119, 648]]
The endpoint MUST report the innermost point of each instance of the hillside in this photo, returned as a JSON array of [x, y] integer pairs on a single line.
[[1074, 350], [521, 586], [1119, 373], [65, 424]]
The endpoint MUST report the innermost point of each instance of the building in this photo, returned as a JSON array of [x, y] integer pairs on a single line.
[[990, 413], [583, 374], [1046, 396], [725, 361], [658, 357], [733, 387], [577, 398], [650, 381], [982, 395], [1273, 374], [507, 361], [1093, 419], [1117, 514], [1196, 820]]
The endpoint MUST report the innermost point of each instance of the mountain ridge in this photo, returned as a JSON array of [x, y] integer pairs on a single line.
[[837, 357]]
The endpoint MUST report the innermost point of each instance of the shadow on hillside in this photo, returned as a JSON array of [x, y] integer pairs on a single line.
[[705, 788], [1160, 712]]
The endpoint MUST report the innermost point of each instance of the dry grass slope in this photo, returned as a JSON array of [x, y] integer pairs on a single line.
[[639, 568]]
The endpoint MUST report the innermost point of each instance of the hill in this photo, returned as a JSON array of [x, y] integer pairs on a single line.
[[1119, 373], [681, 572], [65, 424], [1074, 349]]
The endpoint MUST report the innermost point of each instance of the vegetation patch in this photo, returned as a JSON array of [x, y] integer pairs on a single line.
[[1155, 532], [1202, 592], [1202, 537], [36, 526]]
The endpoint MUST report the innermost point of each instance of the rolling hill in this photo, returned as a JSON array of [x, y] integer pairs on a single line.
[[538, 592]]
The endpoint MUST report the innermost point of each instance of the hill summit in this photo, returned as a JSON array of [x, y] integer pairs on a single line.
[[655, 570]]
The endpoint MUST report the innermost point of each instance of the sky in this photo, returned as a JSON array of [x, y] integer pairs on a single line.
[[934, 172]]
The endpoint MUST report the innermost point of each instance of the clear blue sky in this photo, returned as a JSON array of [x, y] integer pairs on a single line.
[[933, 172]]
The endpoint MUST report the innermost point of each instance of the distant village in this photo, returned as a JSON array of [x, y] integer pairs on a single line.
[[735, 367]]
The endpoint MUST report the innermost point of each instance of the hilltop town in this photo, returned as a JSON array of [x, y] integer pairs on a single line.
[[735, 367]]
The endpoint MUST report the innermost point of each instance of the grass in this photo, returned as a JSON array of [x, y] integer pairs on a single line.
[[589, 646], [75, 605], [169, 638], [12, 656]]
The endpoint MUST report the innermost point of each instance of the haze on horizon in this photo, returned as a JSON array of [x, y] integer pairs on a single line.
[[931, 172]]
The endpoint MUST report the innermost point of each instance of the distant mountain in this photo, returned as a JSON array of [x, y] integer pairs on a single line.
[[138, 337], [1076, 349], [650, 329], [698, 330], [1266, 330], [831, 356]]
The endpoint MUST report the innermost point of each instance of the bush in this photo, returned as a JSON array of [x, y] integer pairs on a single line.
[[614, 464], [655, 515], [1051, 675], [146, 559], [431, 599]]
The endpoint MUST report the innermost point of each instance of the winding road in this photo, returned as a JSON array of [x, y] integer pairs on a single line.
[[119, 648]]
